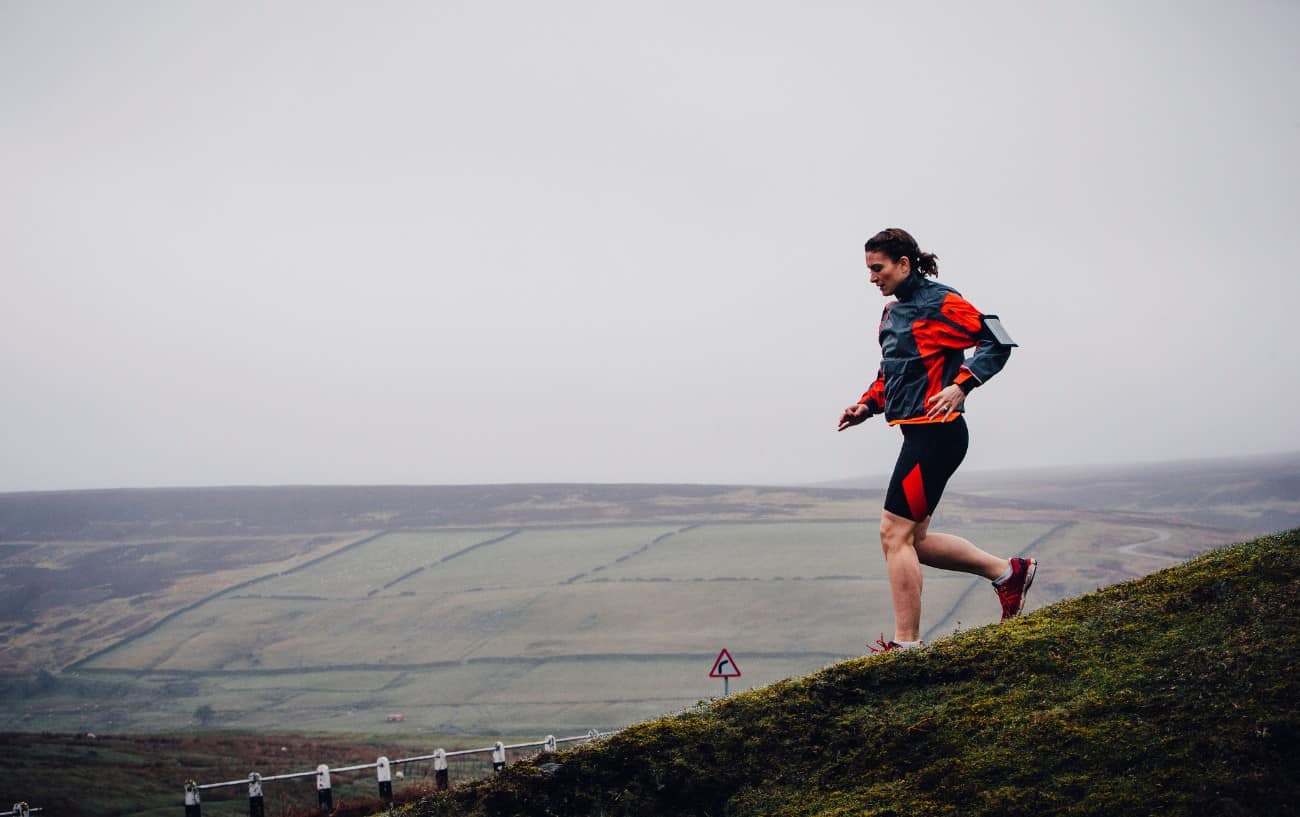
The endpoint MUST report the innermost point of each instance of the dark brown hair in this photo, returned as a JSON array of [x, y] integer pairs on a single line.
[[898, 243]]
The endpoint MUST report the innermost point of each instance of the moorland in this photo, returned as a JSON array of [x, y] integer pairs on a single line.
[[482, 609], [521, 610]]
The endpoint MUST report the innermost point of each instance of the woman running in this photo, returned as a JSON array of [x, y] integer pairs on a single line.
[[921, 387]]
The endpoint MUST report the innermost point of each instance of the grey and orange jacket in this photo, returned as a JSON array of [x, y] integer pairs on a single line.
[[922, 338]]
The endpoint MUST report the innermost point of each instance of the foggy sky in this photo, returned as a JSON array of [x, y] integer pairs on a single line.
[[464, 242]]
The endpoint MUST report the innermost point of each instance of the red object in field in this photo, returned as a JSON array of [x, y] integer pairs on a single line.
[[396, 716]]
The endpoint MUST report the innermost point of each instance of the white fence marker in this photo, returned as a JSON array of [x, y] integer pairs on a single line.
[[192, 808], [256, 804], [324, 797], [442, 778], [385, 774]]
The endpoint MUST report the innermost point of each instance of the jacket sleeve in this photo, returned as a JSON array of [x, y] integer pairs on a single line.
[[990, 354], [874, 397]]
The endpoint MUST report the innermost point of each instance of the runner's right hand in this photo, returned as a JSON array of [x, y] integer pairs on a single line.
[[853, 415]]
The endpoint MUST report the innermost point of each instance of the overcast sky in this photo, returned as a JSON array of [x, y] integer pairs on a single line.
[[464, 242]]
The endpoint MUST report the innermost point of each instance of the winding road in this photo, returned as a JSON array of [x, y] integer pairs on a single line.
[[1157, 535]]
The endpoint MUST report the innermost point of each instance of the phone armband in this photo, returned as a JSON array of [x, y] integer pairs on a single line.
[[993, 326]]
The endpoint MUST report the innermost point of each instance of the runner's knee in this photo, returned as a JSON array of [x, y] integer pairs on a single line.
[[922, 530], [896, 532]]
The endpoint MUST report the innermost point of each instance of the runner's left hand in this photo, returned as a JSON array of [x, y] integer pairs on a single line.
[[945, 402]]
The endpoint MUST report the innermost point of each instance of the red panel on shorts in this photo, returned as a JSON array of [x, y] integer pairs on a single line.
[[914, 489]]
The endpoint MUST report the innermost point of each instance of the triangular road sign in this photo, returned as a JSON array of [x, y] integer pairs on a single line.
[[724, 667]]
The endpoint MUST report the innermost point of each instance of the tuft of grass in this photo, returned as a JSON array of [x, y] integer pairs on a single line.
[[1175, 694]]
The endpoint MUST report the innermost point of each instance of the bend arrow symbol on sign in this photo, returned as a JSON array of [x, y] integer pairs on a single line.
[[724, 667]]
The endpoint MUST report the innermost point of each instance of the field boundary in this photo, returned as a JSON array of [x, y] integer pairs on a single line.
[[444, 559], [637, 551], [79, 665]]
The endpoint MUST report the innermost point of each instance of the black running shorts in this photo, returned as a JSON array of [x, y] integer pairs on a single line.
[[931, 453]]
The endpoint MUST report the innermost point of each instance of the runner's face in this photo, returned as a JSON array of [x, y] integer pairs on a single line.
[[887, 273]]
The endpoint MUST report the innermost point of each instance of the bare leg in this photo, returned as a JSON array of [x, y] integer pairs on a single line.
[[948, 552], [904, 567]]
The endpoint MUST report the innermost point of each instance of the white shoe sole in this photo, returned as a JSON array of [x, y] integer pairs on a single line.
[[1029, 579]]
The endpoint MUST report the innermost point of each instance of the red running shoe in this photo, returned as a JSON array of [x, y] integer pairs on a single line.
[[1012, 591], [889, 646]]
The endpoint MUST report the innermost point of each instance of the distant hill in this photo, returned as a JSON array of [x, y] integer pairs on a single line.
[[1259, 494], [1175, 694], [1246, 493], [263, 510], [1263, 492]]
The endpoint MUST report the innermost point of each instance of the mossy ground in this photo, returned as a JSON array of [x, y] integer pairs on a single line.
[[1176, 694]]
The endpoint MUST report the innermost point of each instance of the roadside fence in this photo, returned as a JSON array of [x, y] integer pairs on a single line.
[[384, 770]]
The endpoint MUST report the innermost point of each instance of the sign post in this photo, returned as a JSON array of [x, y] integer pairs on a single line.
[[726, 669]]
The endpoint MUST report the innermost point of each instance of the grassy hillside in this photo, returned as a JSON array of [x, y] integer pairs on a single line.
[[1175, 694]]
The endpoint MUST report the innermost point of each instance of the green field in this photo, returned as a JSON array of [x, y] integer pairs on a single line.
[[364, 570], [540, 629], [541, 609]]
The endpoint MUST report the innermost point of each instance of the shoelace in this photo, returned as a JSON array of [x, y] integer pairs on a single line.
[[885, 646]]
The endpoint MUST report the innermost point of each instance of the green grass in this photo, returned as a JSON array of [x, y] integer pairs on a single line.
[[576, 626], [1176, 694], [770, 588], [535, 558], [367, 569]]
